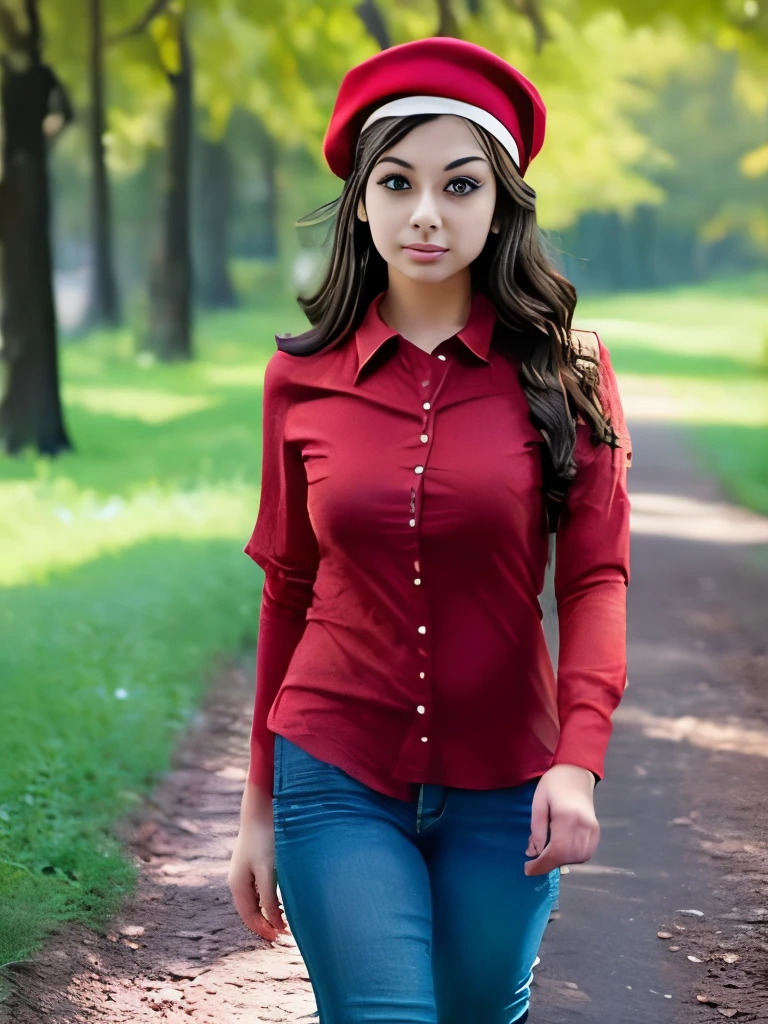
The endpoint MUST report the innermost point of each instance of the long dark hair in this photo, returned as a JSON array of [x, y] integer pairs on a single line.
[[534, 303]]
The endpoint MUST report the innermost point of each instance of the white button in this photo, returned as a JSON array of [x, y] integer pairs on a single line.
[[411, 522], [422, 629], [426, 406], [419, 469], [421, 709], [423, 739], [441, 357], [417, 582], [424, 438], [421, 675]]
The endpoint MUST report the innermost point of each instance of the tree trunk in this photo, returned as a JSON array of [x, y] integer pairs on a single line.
[[30, 409], [270, 159], [104, 304], [214, 288], [170, 289]]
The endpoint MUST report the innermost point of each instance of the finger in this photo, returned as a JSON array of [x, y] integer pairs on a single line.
[[552, 856], [245, 897], [539, 827], [534, 867], [270, 905]]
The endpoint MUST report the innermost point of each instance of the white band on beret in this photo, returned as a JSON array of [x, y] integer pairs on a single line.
[[445, 105]]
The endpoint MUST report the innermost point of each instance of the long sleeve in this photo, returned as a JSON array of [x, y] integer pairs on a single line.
[[284, 545], [591, 578]]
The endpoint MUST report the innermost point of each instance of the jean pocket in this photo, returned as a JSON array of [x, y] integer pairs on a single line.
[[300, 770]]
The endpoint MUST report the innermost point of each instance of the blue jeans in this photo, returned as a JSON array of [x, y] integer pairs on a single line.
[[408, 912]]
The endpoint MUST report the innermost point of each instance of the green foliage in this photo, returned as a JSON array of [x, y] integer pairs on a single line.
[[700, 121]]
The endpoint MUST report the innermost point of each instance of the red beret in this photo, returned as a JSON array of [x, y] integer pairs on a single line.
[[498, 96]]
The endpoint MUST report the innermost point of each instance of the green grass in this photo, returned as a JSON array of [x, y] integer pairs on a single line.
[[122, 577], [122, 580], [698, 356]]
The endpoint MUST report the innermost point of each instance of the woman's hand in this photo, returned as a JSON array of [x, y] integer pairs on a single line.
[[251, 876], [564, 802]]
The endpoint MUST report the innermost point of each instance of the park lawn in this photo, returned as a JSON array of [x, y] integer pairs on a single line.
[[697, 357], [122, 581], [122, 577]]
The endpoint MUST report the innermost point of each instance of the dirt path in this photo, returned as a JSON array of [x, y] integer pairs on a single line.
[[684, 806], [683, 812]]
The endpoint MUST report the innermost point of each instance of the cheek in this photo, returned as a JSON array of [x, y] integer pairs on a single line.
[[384, 222], [474, 228]]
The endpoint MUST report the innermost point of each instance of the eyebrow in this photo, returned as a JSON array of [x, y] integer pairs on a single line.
[[448, 167]]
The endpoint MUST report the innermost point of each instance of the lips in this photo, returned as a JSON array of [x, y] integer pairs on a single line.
[[419, 247]]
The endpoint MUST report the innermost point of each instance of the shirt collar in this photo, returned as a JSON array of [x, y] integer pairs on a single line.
[[475, 334]]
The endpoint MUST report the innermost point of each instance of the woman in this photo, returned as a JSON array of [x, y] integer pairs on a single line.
[[411, 745]]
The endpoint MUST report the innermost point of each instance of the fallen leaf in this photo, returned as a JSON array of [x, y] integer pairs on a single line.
[[673, 949], [731, 958], [174, 869], [696, 959], [132, 929], [167, 995], [709, 1000], [188, 826], [664, 935]]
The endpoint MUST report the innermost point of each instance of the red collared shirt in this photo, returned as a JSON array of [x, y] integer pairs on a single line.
[[403, 537]]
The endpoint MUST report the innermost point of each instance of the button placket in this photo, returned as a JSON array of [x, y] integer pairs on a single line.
[[424, 654]]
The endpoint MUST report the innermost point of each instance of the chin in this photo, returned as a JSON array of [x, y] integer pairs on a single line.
[[431, 272]]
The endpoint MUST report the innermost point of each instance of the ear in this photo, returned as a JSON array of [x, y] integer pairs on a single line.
[[362, 215], [495, 227]]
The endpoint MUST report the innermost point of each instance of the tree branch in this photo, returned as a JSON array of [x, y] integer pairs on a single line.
[[447, 26], [155, 8], [12, 35], [531, 10], [374, 23], [35, 35]]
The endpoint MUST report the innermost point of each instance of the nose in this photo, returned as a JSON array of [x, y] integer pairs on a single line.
[[425, 213]]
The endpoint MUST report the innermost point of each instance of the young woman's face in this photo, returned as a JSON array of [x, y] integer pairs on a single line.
[[432, 187]]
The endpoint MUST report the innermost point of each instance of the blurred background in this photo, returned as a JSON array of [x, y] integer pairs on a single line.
[[155, 156]]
